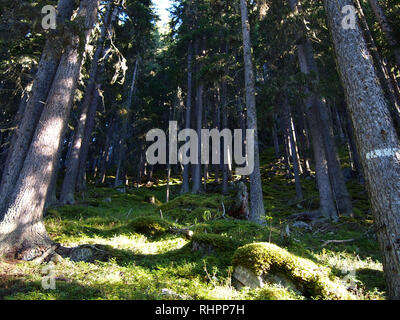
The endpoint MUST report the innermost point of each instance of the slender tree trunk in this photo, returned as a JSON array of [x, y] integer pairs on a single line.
[[95, 101], [257, 212], [224, 92], [376, 137], [22, 232], [296, 167], [43, 80], [188, 113], [122, 150], [196, 187], [275, 137], [71, 174]]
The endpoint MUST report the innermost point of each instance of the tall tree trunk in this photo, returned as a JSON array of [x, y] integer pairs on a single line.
[[22, 232], [257, 212], [296, 166], [95, 101], [196, 187], [224, 125], [43, 80], [376, 137], [188, 113], [68, 187], [319, 120], [120, 176]]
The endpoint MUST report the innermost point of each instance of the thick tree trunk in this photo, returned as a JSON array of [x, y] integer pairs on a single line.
[[43, 80], [257, 212], [22, 232], [376, 137]]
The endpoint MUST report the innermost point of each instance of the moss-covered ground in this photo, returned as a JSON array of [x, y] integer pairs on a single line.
[[148, 260]]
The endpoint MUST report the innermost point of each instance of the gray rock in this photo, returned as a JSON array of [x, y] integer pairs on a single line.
[[107, 200], [301, 225], [246, 278], [243, 277]]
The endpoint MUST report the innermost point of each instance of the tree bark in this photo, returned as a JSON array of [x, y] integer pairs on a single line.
[[47, 68], [376, 137], [257, 212], [22, 232]]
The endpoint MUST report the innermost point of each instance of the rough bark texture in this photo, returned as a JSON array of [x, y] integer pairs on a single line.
[[257, 212], [22, 232], [44, 77], [376, 138]]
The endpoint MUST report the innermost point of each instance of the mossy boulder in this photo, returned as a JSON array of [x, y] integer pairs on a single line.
[[150, 225], [259, 263]]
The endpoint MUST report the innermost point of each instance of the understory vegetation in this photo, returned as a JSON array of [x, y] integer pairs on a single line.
[[147, 257]]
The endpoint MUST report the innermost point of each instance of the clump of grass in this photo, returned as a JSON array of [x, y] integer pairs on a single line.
[[191, 208]]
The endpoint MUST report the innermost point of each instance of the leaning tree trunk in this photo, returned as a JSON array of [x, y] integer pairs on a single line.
[[22, 232], [257, 212], [120, 176], [71, 173], [376, 137], [83, 154], [43, 80]]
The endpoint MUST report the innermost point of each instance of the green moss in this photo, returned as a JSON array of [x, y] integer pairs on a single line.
[[218, 242], [150, 225], [309, 278], [190, 208]]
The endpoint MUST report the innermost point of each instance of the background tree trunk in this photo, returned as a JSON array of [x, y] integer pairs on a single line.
[[257, 212]]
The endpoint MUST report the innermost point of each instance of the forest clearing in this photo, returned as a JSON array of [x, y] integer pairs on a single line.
[[234, 150]]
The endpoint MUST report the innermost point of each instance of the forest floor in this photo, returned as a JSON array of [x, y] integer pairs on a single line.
[[146, 260]]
